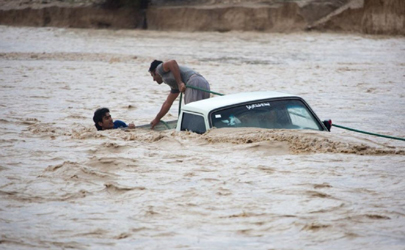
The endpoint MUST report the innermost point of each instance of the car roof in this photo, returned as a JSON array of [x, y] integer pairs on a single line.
[[206, 105]]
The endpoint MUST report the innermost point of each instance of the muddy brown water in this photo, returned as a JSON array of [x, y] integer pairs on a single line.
[[65, 185]]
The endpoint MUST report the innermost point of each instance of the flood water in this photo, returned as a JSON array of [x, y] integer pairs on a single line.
[[65, 185]]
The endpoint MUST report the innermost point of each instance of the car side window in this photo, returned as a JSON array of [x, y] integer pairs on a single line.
[[194, 123], [272, 114], [301, 117]]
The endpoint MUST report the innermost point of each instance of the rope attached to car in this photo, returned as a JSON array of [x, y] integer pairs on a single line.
[[197, 88], [165, 123], [335, 125], [368, 133], [205, 90]]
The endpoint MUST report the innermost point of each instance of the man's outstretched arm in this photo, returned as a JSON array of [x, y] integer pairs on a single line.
[[164, 109]]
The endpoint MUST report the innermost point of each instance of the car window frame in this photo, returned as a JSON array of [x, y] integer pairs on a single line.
[[321, 125], [195, 114]]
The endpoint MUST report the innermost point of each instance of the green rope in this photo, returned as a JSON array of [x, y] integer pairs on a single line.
[[181, 97], [197, 88], [165, 123], [205, 90], [336, 125], [368, 133]]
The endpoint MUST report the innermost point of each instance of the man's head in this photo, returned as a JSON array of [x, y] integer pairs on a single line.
[[152, 70], [102, 119]]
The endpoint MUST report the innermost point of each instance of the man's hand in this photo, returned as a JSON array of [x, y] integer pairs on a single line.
[[182, 87], [165, 108], [154, 123], [131, 125]]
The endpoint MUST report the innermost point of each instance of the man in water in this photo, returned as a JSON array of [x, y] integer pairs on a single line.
[[178, 78], [103, 120]]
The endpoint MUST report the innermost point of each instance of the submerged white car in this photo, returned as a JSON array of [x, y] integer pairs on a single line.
[[271, 110]]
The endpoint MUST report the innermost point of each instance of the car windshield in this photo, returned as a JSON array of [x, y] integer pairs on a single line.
[[274, 114]]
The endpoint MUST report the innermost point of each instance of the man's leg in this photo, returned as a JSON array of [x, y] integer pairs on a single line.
[[193, 95]]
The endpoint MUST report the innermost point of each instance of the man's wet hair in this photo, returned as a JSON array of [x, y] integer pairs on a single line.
[[98, 116], [154, 65]]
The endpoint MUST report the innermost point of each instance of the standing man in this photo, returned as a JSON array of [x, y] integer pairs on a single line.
[[177, 77]]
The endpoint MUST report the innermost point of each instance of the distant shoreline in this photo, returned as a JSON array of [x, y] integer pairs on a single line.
[[384, 17]]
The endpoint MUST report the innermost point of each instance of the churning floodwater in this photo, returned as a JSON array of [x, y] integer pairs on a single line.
[[65, 185]]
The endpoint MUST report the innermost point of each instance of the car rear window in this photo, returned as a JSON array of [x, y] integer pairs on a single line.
[[274, 114], [194, 123]]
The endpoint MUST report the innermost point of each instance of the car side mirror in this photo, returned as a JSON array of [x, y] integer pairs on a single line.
[[328, 124]]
